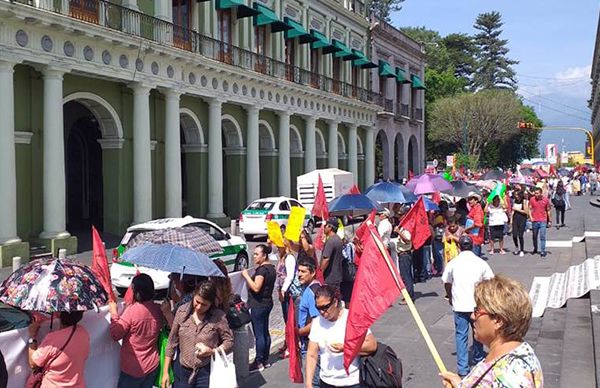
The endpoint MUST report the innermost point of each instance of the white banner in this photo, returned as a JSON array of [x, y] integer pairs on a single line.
[[102, 367], [553, 291]]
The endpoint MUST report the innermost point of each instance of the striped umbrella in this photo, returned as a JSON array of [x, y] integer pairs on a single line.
[[190, 237]]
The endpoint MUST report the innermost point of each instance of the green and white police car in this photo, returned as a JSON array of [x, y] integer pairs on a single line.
[[235, 250], [253, 219]]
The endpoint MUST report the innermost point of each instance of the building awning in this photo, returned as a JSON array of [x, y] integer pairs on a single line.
[[401, 76], [386, 70], [417, 83], [266, 16], [362, 61], [322, 42], [296, 30], [344, 51], [243, 11]]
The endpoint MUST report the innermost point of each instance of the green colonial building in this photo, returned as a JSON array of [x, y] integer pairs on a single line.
[[118, 112]]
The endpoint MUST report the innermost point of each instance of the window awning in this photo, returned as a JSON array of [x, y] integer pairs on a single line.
[[386, 70], [401, 76], [266, 16], [322, 42], [417, 83], [344, 51], [243, 11], [362, 61], [297, 31]]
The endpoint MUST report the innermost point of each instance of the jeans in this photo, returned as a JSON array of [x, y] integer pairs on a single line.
[[438, 256], [560, 215], [260, 327], [127, 381], [477, 250], [406, 272], [315, 379], [539, 228], [519, 223], [462, 322], [182, 376]]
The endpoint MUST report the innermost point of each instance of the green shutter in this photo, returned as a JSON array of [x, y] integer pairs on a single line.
[[386, 70], [267, 16], [243, 10], [296, 30], [344, 51], [401, 76], [321, 42], [417, 83], [362, 60]]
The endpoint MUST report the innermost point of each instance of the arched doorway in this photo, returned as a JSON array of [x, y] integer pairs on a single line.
[[234, 166], [342, 153], [413, 155], [399, 157], [269, 162], [321, 150], [297, 157], [194, 191], [382, 156], [85, 191]]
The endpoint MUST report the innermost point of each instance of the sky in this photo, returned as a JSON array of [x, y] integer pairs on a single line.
[[553, 42]]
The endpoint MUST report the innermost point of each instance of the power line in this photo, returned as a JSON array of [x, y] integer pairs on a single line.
[[556, 102], [556, 110], [552, 78]]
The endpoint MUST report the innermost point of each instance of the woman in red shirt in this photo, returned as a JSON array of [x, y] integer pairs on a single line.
[[138, 327]]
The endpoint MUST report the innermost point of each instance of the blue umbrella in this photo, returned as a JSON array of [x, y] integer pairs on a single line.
[[430, 205], [390, 192], [351, 205], [172, 258]]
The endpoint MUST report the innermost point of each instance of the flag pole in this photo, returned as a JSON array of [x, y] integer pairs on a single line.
[[411, 306]]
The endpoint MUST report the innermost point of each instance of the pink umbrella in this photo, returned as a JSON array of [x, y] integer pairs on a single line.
[[428, 183]]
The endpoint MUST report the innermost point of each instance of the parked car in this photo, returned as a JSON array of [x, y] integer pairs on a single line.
[[253, 219], [12, 318], [235, 251]]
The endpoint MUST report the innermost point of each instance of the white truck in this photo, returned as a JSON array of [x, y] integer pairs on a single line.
[[335, 182]]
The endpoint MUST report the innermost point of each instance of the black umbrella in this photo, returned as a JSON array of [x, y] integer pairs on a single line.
[[493, 175], [461, 189], [527, 171]]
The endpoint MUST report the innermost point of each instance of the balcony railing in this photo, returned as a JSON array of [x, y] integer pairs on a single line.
[[116, 17]]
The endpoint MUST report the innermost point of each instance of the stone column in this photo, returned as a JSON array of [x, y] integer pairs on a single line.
[[215, 160], [284, 154], [353, 151], [142, 156], [310, 147], [332, 143], [252, 155], [8, 170], [54, 157], [370, 157], [277, 38], [173, 199]]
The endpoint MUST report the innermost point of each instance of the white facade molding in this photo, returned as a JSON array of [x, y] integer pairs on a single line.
[[108, 119], [273, 152], [153, 145], [194, 148], [22, 137], [235, 150], [111, 143]]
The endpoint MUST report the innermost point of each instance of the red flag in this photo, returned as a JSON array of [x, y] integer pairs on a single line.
[[100, 264], [360, 233], [319, 244], [319, 208], [552, 170], [292, 341], [378, 284], [436, 197], [128, 298], [354, 190], [417, 223]]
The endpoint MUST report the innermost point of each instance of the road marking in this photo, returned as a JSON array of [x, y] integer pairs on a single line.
[[559, 243]]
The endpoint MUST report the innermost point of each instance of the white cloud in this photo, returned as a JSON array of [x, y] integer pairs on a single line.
[[571, 82]]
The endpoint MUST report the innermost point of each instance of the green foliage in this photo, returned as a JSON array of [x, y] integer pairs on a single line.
[[467, 161], [382, 9], [493, 67], [461, 53]]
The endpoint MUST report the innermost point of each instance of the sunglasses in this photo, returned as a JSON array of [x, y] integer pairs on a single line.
[[478, 312], [326, 307]]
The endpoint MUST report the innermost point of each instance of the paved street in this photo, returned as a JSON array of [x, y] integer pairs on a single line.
[[397, 328]]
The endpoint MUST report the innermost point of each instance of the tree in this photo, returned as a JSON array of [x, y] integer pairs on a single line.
[[487, 117], [461, 54], [382, 9], [493, 67], [436, 55]]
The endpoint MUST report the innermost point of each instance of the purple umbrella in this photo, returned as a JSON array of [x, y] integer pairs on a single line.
[[428, 183]]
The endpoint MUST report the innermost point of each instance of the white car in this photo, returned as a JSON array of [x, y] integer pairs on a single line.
[[253, 219], [235, 251]]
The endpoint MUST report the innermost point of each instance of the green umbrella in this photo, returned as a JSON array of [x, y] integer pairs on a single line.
[[499, 191]]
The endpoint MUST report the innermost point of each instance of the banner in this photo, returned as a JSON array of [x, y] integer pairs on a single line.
[[295, 223], [274, 233], [553, 291]]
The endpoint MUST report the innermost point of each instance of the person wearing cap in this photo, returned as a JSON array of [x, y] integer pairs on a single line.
[[460, 277], [332, 256], [385, 229], [474, 224]]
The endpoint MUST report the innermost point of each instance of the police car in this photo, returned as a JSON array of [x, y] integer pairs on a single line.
[[234, 255], [253, 219]]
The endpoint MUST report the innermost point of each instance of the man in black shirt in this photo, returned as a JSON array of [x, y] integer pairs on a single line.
[[331, 259]]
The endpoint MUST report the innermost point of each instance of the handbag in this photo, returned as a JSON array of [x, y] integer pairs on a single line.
[[222, 371], [238, 313], [37, 375]]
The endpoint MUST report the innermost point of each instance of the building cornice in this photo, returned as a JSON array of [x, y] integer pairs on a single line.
[[22, 137]]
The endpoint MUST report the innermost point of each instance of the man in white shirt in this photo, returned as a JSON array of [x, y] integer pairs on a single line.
[[460, 277]]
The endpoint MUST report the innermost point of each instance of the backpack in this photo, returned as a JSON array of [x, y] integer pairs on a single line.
[[382, 369], [558, 200], [238, 313]]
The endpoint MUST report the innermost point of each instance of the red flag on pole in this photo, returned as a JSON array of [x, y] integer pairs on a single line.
[[100, 264], [378, 284], [354, 190], [417, 223], [319, 244], [436, 197], [319, 208], [360, 233], [292, 342], [128, 298]]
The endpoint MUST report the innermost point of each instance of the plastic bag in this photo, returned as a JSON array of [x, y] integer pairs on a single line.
[[163, 339], [222, 371], [450, 250]]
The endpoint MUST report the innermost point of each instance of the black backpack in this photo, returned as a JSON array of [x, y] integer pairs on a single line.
[[238, 313], [382, 369]]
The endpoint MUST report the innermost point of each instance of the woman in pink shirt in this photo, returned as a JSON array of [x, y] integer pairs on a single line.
[[62, 353], [138, 327]]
